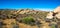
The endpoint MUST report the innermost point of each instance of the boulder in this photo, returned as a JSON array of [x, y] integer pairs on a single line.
[[49, 15]]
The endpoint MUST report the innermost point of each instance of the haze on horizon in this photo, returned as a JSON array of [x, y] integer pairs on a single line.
[[39, 4]]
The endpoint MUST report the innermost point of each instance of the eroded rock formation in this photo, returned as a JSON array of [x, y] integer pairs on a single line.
[[54, 16]]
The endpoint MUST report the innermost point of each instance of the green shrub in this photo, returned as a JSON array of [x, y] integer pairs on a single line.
[[53, 26], [28, 20]]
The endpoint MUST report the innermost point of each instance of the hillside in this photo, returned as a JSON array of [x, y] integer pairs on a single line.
[[17, 18]]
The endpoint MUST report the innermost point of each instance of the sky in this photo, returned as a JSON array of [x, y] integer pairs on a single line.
[[37, 4]]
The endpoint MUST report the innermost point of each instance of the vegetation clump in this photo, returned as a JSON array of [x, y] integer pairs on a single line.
[[28, 20]]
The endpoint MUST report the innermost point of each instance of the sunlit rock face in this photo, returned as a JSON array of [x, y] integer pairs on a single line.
[[54, 16], [55, 13], [57, 10], [49, 16], [58, 15]]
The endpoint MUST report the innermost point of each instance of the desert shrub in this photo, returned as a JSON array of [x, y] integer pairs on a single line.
[[3, 16], [53, 26], [1, 25], [15, 26], [28, 20]]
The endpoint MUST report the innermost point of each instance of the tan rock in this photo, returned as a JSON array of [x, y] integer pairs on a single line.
[[57, 9], [49, 16], [58, 15]]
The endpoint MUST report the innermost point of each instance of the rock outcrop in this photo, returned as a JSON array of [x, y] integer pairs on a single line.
[[25, 12], [57, 10], [55, 13], [49, 15], [55, 16]]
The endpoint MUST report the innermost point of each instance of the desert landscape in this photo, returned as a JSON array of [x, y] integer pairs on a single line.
[[28, 18]]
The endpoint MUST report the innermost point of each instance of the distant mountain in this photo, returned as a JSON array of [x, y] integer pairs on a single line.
[[27, 11], [7, 9]]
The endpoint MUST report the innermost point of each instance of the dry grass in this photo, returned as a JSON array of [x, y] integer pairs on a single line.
[[22, 25]]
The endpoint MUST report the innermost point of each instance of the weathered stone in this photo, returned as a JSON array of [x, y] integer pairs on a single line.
[[55, 15], [57, 10], [49, 16]]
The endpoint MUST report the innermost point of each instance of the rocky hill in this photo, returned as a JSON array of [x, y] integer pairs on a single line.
[[28, 18], [22, 18]]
